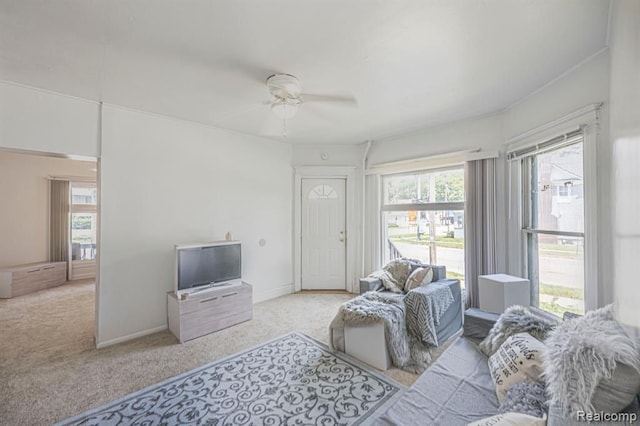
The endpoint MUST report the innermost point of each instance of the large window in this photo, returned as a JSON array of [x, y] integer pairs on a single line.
[[83, 221], [83, 244], [553, 223], [423, 218]]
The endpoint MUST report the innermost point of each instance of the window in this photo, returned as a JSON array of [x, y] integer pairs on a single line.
[[83, 221], [553, 223], [323, 192], [423, 218]]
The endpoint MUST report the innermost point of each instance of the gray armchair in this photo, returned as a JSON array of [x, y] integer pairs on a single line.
[[375, 284], [451, 320]]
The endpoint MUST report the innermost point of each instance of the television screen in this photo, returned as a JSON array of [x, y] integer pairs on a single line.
[[206, 265]]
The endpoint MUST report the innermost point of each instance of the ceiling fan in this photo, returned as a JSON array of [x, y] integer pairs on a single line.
[[287, 97]]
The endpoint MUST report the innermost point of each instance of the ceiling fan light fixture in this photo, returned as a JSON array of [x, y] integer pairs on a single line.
[[285, 109]]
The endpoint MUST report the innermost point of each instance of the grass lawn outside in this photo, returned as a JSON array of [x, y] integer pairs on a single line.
[[567, 250]]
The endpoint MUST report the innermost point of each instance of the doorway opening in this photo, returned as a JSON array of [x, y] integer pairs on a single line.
[[46, 228]]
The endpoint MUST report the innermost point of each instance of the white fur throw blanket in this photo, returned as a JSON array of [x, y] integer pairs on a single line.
[[581, 353], [407, 352]]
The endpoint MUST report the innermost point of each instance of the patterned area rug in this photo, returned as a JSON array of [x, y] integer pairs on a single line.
[[293, 379]]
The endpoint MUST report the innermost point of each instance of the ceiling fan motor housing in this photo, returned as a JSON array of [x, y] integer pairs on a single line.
[[284, 86]]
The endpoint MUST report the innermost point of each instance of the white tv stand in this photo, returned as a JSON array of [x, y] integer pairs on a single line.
[[207, 311]]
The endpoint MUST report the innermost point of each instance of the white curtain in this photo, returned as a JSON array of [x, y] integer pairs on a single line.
[[59, 222], [371, 229], [480, 224]]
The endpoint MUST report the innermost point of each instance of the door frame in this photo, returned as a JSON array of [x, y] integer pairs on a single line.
[[313, 172]]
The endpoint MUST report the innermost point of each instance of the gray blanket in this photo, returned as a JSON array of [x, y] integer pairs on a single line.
[[425, 306], [406, 350]]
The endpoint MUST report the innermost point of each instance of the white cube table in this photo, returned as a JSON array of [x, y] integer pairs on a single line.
[[499, 291], [367, 343]]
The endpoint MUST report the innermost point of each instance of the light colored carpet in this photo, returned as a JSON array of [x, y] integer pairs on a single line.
[[50, 369]]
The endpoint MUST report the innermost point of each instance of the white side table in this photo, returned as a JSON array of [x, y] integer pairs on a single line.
[[367, 343], [499, 291]]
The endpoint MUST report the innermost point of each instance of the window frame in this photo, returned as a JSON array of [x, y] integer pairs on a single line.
[[425, 206], [587, 120], [418, 207], [532, 231], [80, 208]]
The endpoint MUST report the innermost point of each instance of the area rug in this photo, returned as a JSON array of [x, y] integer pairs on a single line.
[[293, 379]]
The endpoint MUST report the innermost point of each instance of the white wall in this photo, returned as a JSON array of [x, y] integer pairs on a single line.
[[482, 132], [36, 120], [328, 155], [583, 85], [24, 191], [166, 181], [625, 143]]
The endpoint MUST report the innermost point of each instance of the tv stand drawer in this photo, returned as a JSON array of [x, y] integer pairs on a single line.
[[208, 311], [215, 296]]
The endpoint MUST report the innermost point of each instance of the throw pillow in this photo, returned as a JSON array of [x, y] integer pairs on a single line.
[[394, 274], [591, 365], [517, 360], [510, 419], [518, 319], [528, 397], [420, 276]]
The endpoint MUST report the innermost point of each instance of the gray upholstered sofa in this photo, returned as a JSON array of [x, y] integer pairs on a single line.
[[457, 389], [451, 320]]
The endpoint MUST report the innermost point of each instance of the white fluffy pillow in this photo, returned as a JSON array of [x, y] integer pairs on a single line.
[[394, 274], [591, 365], [517, 360], [518, 319]]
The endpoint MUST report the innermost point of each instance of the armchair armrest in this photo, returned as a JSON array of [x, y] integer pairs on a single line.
[[478, 323], [370, 284], [426, 308]]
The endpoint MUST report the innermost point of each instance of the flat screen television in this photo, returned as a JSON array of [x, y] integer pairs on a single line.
[[203, 266]]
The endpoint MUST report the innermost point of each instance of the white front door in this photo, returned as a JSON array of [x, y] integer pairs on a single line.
[[323, 234]]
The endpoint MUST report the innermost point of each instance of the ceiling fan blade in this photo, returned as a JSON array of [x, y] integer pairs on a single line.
[[343, 99]]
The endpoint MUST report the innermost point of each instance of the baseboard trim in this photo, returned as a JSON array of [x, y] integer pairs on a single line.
[[261, 296], [100, 345]]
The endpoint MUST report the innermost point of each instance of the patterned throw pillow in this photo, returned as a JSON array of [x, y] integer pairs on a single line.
[[518, 359], [420, 276]]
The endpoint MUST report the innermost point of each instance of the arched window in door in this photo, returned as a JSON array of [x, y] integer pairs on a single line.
[[323, 192]]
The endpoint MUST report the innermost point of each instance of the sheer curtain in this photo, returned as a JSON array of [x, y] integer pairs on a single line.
[[371, 229], [59, 222], [480, 224]]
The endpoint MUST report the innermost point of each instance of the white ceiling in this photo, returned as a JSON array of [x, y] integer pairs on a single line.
[[409, 64]]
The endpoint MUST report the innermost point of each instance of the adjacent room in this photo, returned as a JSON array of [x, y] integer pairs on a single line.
[[363, 212]]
